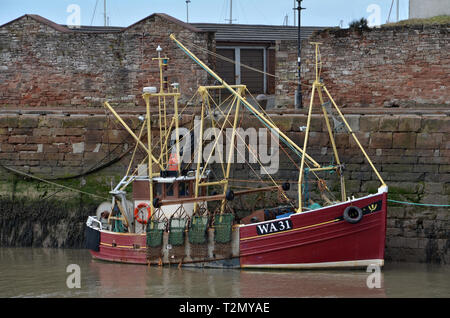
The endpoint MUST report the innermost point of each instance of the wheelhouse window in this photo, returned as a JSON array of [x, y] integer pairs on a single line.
[[183, 189], [169, 189]]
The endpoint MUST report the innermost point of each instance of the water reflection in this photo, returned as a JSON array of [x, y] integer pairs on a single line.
[[27, 272]]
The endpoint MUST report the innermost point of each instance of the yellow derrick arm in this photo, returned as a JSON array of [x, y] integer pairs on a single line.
[[133, 135]]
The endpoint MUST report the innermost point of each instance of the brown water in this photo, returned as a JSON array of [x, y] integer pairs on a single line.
[[27, 272]]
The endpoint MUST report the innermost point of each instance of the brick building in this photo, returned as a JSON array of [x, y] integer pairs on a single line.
[[46, 64]]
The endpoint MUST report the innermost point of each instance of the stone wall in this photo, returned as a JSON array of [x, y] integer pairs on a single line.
[[44, 64], [384, 67], [412, 153]]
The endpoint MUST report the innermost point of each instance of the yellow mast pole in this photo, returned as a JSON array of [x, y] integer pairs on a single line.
[[202, 92], [162, 97], [160, 132], [305, 143], [149, 143], [177, 137], [230, 153], [333, 143]]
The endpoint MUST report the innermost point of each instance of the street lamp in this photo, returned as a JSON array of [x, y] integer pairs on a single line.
[[298, 95], [187, 10]]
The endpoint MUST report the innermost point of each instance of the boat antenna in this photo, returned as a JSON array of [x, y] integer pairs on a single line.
[[298, 94]]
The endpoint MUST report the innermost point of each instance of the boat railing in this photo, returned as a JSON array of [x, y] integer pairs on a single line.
[[92, 223]]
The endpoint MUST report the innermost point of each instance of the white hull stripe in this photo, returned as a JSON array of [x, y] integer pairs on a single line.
[[359, 263]]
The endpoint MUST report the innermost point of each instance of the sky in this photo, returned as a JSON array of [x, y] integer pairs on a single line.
[[270, 12]]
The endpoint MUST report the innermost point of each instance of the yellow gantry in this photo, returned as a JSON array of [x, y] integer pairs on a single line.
[[317, 86], [237, 91]]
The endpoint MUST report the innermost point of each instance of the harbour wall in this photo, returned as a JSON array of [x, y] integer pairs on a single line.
[[91, 151]]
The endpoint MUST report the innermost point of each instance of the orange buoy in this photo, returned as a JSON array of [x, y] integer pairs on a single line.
[[136, 213], [173, 162]]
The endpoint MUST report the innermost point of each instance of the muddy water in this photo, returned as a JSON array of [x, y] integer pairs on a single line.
[[39, 272]]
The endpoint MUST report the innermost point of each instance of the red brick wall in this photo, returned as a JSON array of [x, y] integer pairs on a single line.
[[385, 67], [41, 66]]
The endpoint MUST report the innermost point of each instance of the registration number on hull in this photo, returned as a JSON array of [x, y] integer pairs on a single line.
[[274, 227]]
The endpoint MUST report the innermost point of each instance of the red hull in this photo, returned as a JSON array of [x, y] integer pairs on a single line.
[[122, 248], [321, 238]]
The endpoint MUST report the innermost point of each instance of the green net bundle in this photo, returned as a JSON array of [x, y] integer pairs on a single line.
[[155, 230], [198, 229], [223, 226], [176, 231]]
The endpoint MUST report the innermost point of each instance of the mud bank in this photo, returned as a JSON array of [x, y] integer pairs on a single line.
[[43, 223]]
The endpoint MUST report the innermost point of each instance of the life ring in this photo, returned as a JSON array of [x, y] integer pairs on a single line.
[[136, 213], [353, 214]]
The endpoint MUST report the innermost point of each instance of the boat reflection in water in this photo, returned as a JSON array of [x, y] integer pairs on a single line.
[[125, 280]]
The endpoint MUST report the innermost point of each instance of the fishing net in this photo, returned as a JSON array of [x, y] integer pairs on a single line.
[[223, 226], [154, 239], [154, 234], [198, 237], [176, 248], [198, 229], [176, 231]]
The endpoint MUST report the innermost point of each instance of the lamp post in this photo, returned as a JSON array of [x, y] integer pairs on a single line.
[[187, 10], [298, 95]]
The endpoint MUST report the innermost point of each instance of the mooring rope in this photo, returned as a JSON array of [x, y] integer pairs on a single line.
[[420, 204], [52, 183]]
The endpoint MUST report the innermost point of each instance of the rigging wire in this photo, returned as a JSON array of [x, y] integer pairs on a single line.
[[93, 14]]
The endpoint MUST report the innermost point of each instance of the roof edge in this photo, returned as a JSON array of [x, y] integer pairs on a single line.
[[170, 19], [42, 20], [64, 29]]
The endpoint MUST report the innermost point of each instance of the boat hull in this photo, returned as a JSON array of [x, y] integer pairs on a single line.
[[121, 248], [317, 239]]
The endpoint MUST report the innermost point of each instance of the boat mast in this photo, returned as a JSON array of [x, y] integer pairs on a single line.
[[319, 86]]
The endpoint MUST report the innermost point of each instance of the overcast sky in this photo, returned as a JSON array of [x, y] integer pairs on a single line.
[[126, 12]]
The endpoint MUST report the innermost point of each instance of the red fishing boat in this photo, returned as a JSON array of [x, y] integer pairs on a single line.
[[186, 215]]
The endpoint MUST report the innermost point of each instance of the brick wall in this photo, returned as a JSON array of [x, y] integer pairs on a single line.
[[385, 67], [43, 64]]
